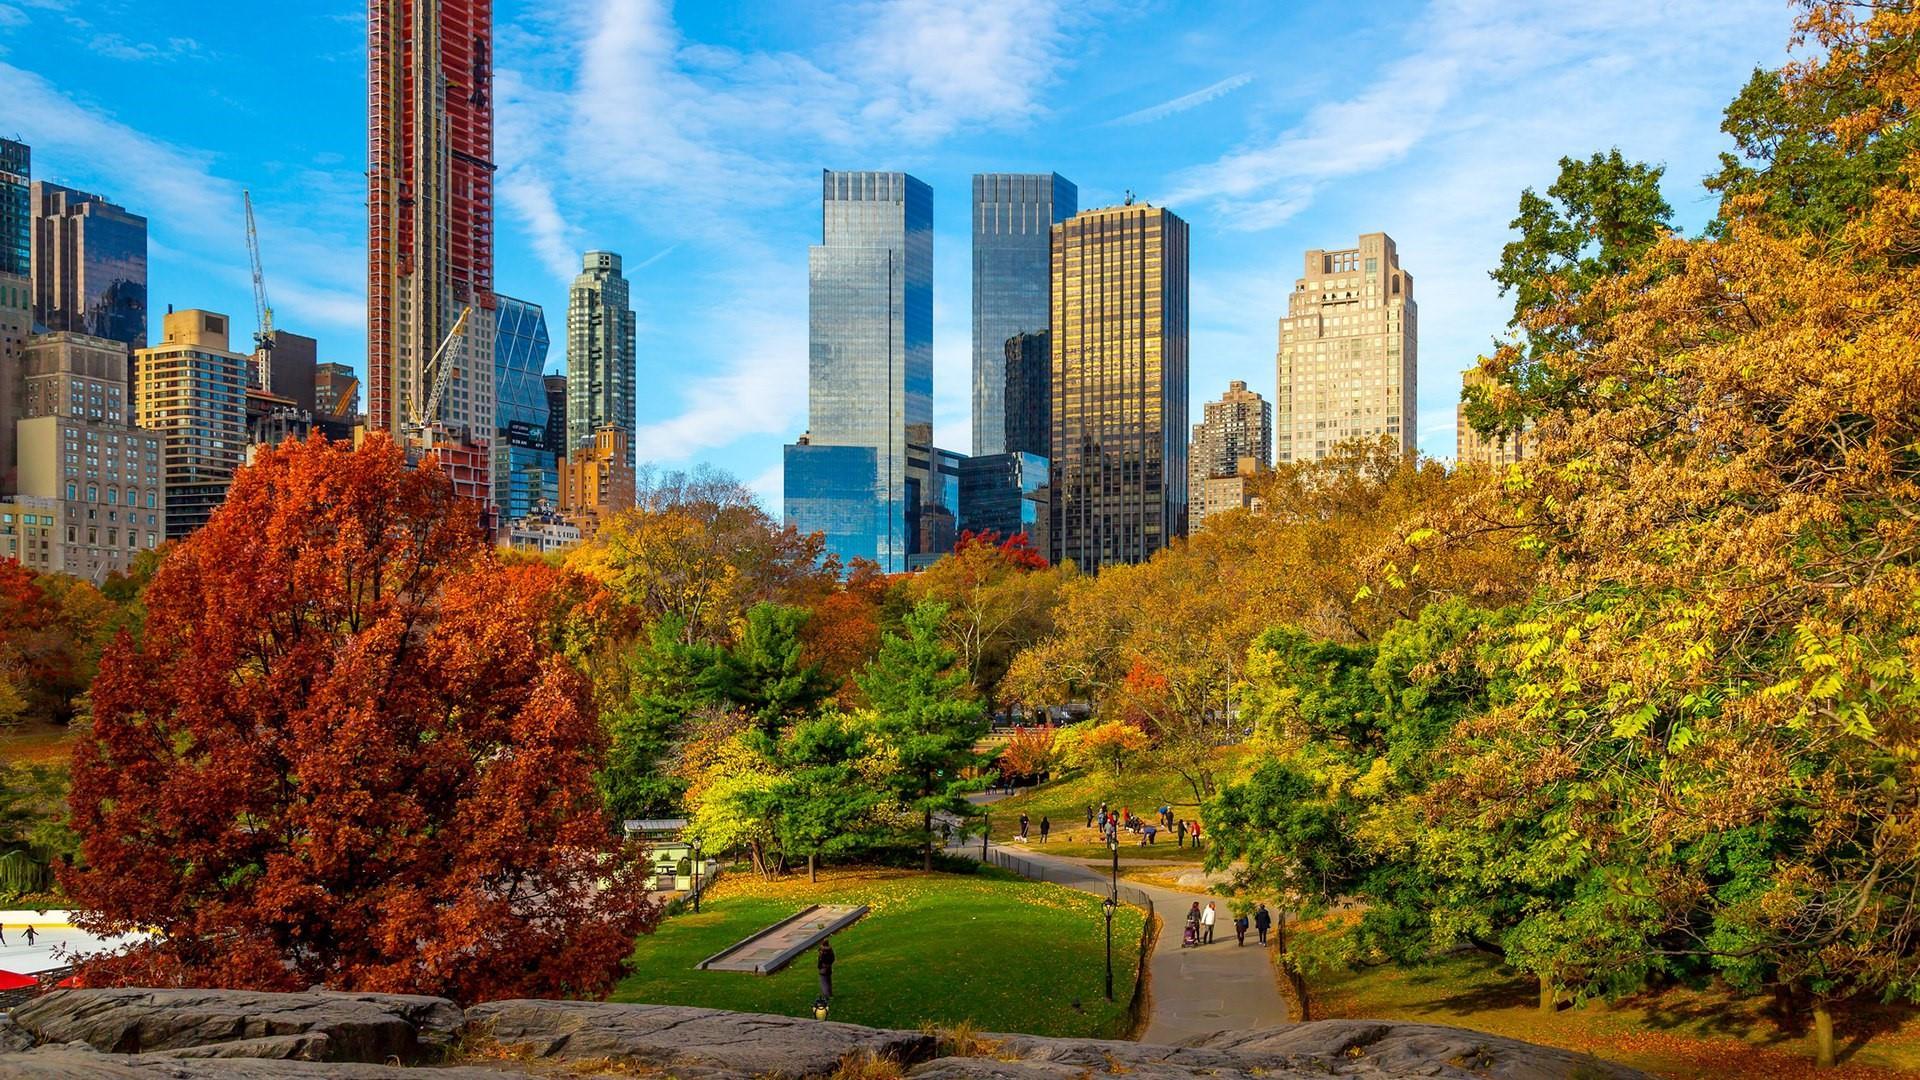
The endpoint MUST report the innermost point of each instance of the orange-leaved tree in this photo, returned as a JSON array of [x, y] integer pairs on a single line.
[[346, 751]]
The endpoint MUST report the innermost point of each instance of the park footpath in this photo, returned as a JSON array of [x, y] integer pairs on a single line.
[[1193, 992]]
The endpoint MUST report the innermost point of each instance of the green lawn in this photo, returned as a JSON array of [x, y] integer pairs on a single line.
[[1065, 803], [1676, 1033], [989, 948]]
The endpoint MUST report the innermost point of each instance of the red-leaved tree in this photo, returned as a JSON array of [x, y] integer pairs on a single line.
[[346, 752]]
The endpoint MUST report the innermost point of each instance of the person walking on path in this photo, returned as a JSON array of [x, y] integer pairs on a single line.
[[1193, 924], [1206, 922], [1045, 828], [826, 970], [1023, 825], [1262, 920], [1240, 927]]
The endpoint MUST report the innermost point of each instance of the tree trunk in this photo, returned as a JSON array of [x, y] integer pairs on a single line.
[[926, 849], [811, 876], [1822, 1034], [1549, 995]]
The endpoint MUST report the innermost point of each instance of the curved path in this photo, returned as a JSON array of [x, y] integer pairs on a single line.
[[1217, 987]]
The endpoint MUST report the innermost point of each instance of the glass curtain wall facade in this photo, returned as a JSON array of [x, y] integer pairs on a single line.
[[89, 266], [16, 208], [601, 365], [1013, 219], [1119, 463], [870, 365], [525, 472], [1029, 400]]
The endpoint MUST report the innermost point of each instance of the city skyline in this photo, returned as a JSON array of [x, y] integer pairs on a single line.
[[1427, 172]]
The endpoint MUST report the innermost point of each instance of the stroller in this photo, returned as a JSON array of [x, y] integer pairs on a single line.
[[1191, 940]]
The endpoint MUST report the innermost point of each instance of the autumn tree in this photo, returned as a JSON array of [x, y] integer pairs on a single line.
[[1000, 596], [52, 630], [347, 752], [1029, 753], [928, 719]]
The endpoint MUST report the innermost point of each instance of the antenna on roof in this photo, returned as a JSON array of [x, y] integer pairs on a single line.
[[1129, 201]]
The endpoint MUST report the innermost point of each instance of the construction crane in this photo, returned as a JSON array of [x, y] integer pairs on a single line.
[[442, 367], [262, 310]]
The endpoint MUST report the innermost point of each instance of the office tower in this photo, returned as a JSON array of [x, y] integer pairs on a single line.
[[1473, 448], [1005, 494], [16, 294], [430, 231], [870, 370], [336, 392], [1348, 358], [191, 390], [598, 481], [556, 440], [1029, 394], [1118, 483], [600, 351], [525, 472], [91, 495], [16, 209], [89, 266], [1233, 440], [290, 369], [1013, 219]]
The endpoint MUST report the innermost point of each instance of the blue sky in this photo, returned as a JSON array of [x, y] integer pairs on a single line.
[[689, 138]]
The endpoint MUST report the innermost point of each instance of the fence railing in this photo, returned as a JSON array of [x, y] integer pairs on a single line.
[[1079, 877]]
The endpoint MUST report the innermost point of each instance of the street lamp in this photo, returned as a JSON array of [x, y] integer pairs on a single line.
[[696, 875], [986, 830], [1113, 844], [1106, 908]]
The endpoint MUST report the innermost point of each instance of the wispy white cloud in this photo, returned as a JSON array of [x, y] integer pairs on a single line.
[[121, 47], [1185, 101]]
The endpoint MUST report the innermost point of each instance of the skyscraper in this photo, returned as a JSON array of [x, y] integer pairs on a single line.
[[1013, 219], [90, 494], [556, 440], [601, 369], [870, 370], [1235, 429], [524, 471], [16, 296], [1028, 407], [16, 209], [336, 392], [430, 229], [1348, 357], [191, 390], [89, 266], [1119, 314], [290, 369]]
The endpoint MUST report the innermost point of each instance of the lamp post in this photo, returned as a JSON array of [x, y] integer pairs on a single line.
[[986, 830], [696, 876], [1113, 844], [1106, 908]]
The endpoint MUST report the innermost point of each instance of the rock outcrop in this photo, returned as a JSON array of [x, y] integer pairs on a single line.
[[238, 1035]]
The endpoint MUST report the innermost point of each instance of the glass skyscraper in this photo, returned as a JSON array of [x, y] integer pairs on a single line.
[[524, 469], [16, 208], [600, 352], [870, 368], [89, 266], [1119, 462], [1013, 219]]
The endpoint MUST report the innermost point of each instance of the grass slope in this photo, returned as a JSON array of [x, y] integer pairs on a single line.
[[1142, 789], [1676, 1033], [1003, 953]]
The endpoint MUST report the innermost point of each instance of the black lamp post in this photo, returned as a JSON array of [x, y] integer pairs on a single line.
[[1113, 844], [986, 830], [1106, 908], [696, 876]]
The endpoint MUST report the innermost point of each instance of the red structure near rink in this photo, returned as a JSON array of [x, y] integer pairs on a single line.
[[430, 229]]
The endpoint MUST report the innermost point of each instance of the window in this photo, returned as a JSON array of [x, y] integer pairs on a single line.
[[93, 493], [72, 492]]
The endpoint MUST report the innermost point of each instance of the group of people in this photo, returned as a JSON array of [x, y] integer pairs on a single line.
[[1112, 821], [1200, 924]]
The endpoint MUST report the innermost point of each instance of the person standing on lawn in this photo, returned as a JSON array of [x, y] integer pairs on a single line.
[[1180, 831], [1089, 815], [1206, 924], [1240, 927], [1045, 828], [1196, 836], [1261, 921]]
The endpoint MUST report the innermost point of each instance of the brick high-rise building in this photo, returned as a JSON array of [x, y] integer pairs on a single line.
[[191, 390], [430, 229], [1348, 357], [1237, 428], [1119, 387]]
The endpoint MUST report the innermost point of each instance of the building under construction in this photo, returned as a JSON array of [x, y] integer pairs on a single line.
[[430, 232]]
